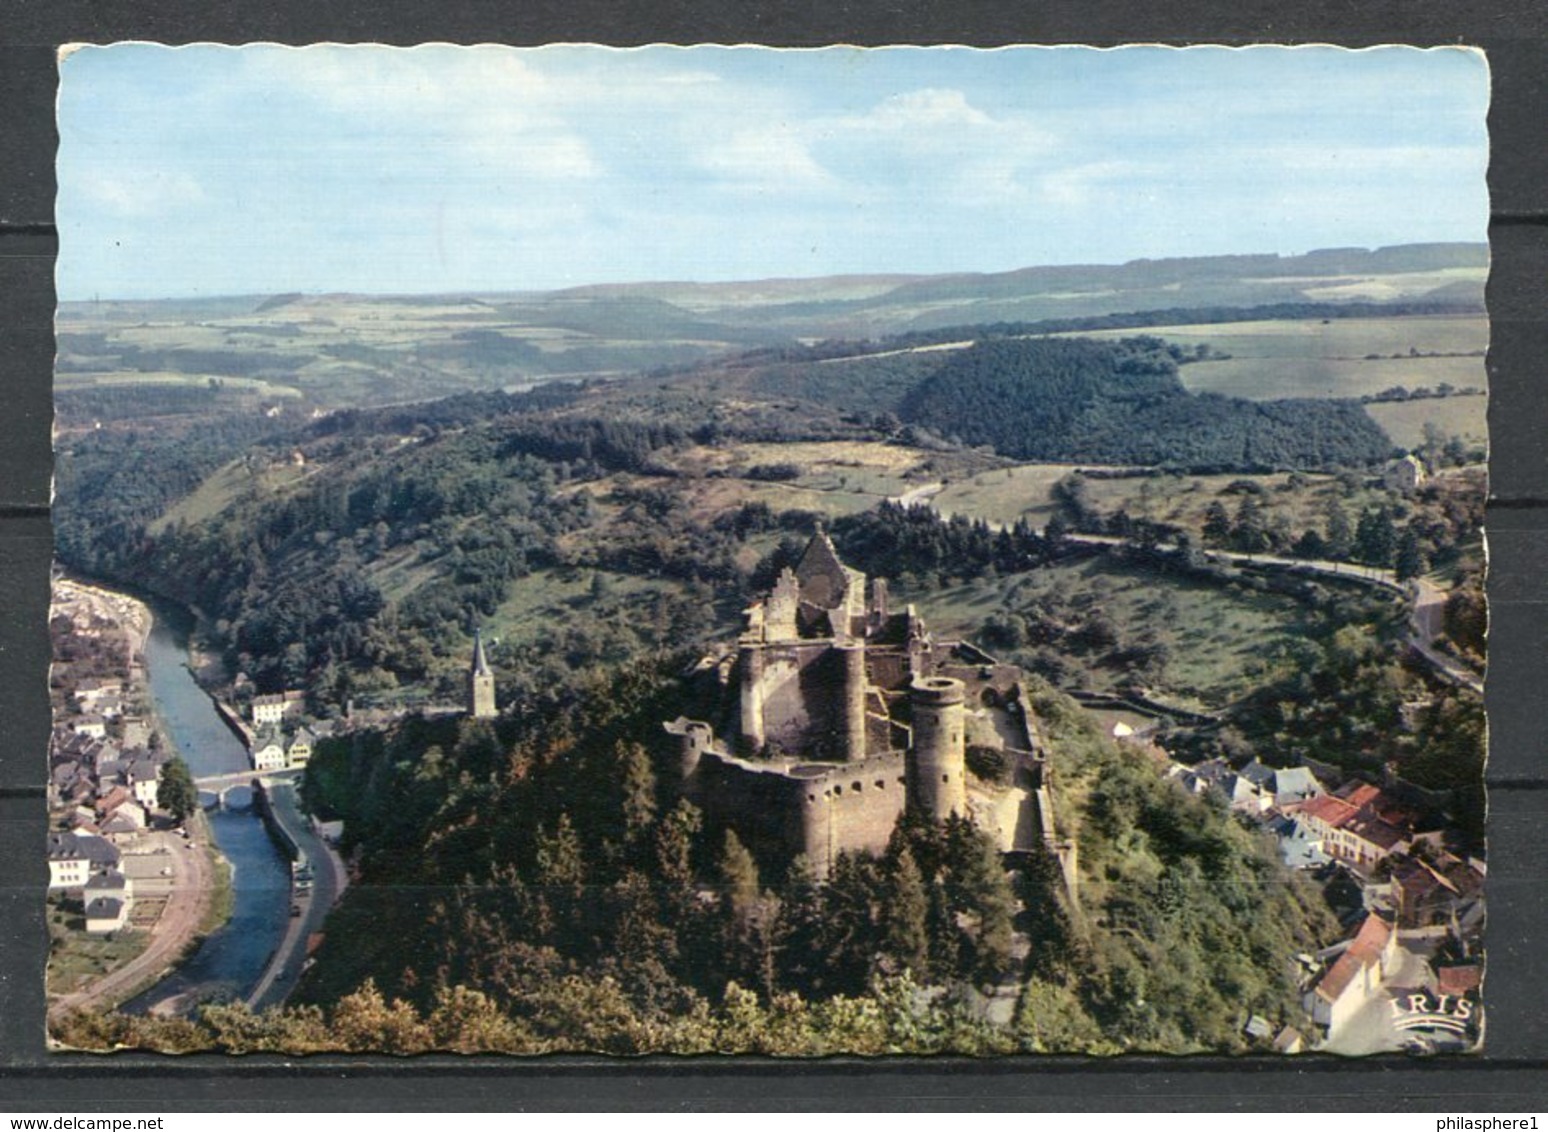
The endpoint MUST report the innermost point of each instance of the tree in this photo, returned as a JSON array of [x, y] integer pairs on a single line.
[[1217, 524], [980, 889], [175, 790], [907, 928], [1375, 537], [1410, 557], [1340, 536], [738, 877]]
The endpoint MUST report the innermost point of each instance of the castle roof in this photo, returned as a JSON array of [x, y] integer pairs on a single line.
[[480, 661]]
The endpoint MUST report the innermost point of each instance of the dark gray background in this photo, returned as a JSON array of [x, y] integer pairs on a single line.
[[1509, 1075]]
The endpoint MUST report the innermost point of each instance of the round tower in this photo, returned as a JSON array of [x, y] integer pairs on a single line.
[[852, 726], [813, 809], [937, 786], [695, 739]]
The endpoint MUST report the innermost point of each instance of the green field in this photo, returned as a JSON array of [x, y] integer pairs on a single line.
[[1404, 421], [1341, 357], [223, 488], [76, 958]]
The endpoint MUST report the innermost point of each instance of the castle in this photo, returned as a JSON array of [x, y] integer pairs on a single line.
[[833, 714]]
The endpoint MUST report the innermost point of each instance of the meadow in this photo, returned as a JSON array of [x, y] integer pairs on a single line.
[[1340, 357]]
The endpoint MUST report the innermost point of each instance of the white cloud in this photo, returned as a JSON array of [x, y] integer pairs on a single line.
[[140, 191], [776, 156], [931, 108]]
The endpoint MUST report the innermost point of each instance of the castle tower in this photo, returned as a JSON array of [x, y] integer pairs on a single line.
[[481, 682], [750, 664], [937, 763], [852, 701]]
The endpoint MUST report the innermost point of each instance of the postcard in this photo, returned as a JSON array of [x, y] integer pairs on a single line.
[[724, 550]]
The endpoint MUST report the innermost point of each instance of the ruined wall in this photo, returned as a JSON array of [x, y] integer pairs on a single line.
[[796, 698], [865, 801], [763, 805], [779, 811]]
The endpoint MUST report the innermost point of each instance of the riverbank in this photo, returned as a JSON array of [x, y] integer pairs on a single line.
[[185, 886]]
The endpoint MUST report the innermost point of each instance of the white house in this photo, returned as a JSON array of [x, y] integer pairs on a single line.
[[93, 725], [144, 780], [278, 707], [106, 914], [268, 752], [74, 858], [1355, 977]]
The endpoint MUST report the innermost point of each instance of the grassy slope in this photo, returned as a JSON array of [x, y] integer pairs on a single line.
[[1219, 638]]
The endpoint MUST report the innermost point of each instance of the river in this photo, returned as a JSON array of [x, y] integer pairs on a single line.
[[229, 963]]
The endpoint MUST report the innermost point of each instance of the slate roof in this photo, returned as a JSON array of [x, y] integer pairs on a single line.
[[75, 847], [105, 908]]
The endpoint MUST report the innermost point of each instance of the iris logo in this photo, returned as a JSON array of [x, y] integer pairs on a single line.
[[1422, 1011]]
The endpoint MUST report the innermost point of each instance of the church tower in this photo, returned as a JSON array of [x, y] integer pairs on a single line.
[[481, 684]]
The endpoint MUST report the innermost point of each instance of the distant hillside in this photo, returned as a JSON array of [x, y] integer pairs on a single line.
[[352, 350], [862, 305]]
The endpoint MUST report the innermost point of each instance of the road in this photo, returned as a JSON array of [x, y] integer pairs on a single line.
[[284, 970], [188, 892], [1428, 624], [1429, 600]]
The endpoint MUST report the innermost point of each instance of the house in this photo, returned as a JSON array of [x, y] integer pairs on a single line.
[[299, 753], [93, 725], [1356, 977], [111, 883], [106, 914], [1404, 475], [1299, 846], [144, 781], [74, 858], [89, 694], [278, 707], [114, 797], [1294, 784], [1350, 827], [268, 752], [127, 821], [1430, 894], [1459, 979]]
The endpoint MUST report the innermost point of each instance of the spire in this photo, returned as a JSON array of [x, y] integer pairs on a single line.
[[481, 682]]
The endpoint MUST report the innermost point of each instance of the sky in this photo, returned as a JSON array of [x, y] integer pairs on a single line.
[[209, 170]]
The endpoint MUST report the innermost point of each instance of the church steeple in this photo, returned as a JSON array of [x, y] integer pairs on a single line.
[[481, 689]]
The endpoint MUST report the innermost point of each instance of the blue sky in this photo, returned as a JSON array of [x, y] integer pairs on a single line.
[[211, 170]]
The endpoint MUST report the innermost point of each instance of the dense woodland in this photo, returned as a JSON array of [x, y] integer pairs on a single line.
[[532, 885]]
